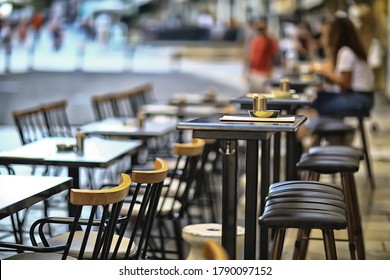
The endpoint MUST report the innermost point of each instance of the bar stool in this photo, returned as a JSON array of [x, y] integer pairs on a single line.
[[305, 205], [332, 129], [336, 150], [361, 116], [337, 130], [346, 166], [195, 235]]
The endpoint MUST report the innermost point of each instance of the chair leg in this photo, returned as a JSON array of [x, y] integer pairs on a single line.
[[162, 241], [351, 219], [46, 213], [17, 227], [297, 244], [179, 243], [277, 250], [211, 196], [329, 244], [357, 232], [313, 176], [367, 157], [304, 244]]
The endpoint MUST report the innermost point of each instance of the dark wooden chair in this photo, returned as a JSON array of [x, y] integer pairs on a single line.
[[105, 106], [174, 203], [57, 119], [98, 233], [133, 228], [31, 124]]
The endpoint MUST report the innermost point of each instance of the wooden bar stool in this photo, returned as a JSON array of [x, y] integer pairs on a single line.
[[196, 234], [333, 130], [336, 150], [346, 166], [304, 205], [339, 131]]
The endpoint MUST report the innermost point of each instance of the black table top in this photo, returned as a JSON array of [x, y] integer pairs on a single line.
[[128, 127], [297, 80], [186, 99], [188, 111], [20, 192], [273, 103], [98, 152], [212, 127]]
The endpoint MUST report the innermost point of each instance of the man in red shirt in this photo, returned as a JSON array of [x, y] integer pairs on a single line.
[[263, 50]]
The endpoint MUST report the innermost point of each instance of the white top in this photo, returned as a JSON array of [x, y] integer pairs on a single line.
[[362, 75]]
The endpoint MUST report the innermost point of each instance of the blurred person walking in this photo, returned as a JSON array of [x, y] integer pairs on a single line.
[[6, 39], [262, 52], [21, 30], [37, 21], [57, 33]]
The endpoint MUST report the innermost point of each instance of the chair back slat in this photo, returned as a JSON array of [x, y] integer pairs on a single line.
[[183, 177], [104, 224], [57, 119], [31, 124], [105, 106], [125, 103], [141, 208]]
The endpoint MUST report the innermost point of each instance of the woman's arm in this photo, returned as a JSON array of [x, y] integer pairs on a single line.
[[343, 79]]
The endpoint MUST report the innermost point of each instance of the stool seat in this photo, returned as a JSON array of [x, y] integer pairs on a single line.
[[305, 188], [354, 113], [331, 127], [346, 166], [292, 204], [196, 234], [324, 214], [337, 150], [207, 231], [337, 132], [328, 164]]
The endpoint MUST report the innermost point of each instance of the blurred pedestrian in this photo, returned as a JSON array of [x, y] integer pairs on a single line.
[[262, 54], [37, 21], [21, 30], [57, 33], [6, 39]]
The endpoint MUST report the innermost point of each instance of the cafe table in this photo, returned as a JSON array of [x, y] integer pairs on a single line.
[[297, 82], [98, 153], [20, 192], [129, 128], [153, 128], [229, 132], [181, 112], [290, 107], [198, 99]]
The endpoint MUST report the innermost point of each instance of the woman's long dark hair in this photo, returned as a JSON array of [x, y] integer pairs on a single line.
[[342, 33]]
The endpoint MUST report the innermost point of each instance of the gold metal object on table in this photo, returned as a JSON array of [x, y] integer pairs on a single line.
[[259, 102]]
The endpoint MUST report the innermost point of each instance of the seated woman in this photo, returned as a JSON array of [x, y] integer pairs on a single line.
[[349, 80]]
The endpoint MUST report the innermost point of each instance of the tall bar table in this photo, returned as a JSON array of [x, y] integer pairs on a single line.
[[290, 106], [211, 127]]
